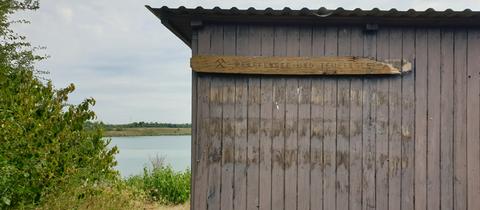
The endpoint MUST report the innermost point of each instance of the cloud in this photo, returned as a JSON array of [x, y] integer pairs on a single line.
[[66, 13]]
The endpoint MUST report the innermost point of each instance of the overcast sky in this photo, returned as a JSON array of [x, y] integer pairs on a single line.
[[119, 53]]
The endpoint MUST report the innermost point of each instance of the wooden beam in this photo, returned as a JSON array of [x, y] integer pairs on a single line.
[[328, 65]]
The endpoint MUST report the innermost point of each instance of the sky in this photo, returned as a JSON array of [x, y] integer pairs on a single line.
[[118, 53]]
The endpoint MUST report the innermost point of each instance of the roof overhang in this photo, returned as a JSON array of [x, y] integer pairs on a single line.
[[181, 21]]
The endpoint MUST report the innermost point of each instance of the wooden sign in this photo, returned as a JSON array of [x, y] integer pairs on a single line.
[[335, 65]]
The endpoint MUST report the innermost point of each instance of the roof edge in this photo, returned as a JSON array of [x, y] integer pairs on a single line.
[[166, 22], [178, 20]]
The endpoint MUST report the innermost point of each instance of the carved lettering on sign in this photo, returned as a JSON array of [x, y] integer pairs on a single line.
[[340, 65]]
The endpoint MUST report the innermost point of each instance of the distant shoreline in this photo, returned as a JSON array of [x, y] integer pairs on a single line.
[[125, 132]]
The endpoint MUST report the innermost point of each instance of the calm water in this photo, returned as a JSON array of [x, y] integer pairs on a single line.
[[136, 152]]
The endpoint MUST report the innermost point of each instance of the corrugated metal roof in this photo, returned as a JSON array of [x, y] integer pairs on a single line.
[[179, 20]]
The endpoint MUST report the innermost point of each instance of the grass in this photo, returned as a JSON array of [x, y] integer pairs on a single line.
[[162, 184], [117, 132], [160, 188]]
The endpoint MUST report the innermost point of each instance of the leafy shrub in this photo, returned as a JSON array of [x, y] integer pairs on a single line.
[[163, 184], [43, 140]]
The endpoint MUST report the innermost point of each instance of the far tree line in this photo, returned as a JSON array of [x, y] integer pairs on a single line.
[[139, 125]]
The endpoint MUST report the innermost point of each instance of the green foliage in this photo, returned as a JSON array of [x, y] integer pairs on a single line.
[[163, 184], [92, 195], [51, 156], [43, 141]]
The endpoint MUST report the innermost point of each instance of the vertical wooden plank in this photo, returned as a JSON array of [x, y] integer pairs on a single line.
[[241, 95], [394, 125], [240, 180], [278, 125], [460, 120], [254, 46], [343, 125], [228, 124], [446, 123], [329, 123], [253, 142], [408, 122], [382, 125], [473, 117], [215, 129], [304, 125], [316, 144], [291, 125], [356, 90], [266, 107], [421, 119], [433, 124], [201, 175], [193, 159], [369, 116], [228, 147]]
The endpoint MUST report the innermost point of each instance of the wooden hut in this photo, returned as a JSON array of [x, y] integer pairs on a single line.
[[333, 109]]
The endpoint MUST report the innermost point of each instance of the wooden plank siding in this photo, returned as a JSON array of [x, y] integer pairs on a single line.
[[304, 125], [228, 124], [356, 126], [266, 109], [408, 123], [409, 141], [473, 119], [317, 155], [460, 120], [291, 123]]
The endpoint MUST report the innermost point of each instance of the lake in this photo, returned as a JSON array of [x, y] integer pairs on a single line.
[[136, 152]]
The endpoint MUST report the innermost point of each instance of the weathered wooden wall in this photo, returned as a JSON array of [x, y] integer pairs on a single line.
[[371, 142]]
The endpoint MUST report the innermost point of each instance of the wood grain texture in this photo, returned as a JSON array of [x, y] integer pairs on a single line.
[[446, 123], [408, 123], [228, 124], [304, 91], [240, 178], [330, 125], [203, 85], [342, 164], [241, 100], [290, 156], [473, 118], [421, 119], [406, 141], [215, 126], [295, 65], [254, 45], [356, 126], [291, 124], [228, 143], [266, 106], [278, 127], [369, 109], [265, 197], [253, 143], [395, 160], [317, 136], [460, 120], [433, 116], [215, 143], [381, 126]]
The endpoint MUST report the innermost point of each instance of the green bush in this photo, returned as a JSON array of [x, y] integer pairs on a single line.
[[163, 184], [43, 141]]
